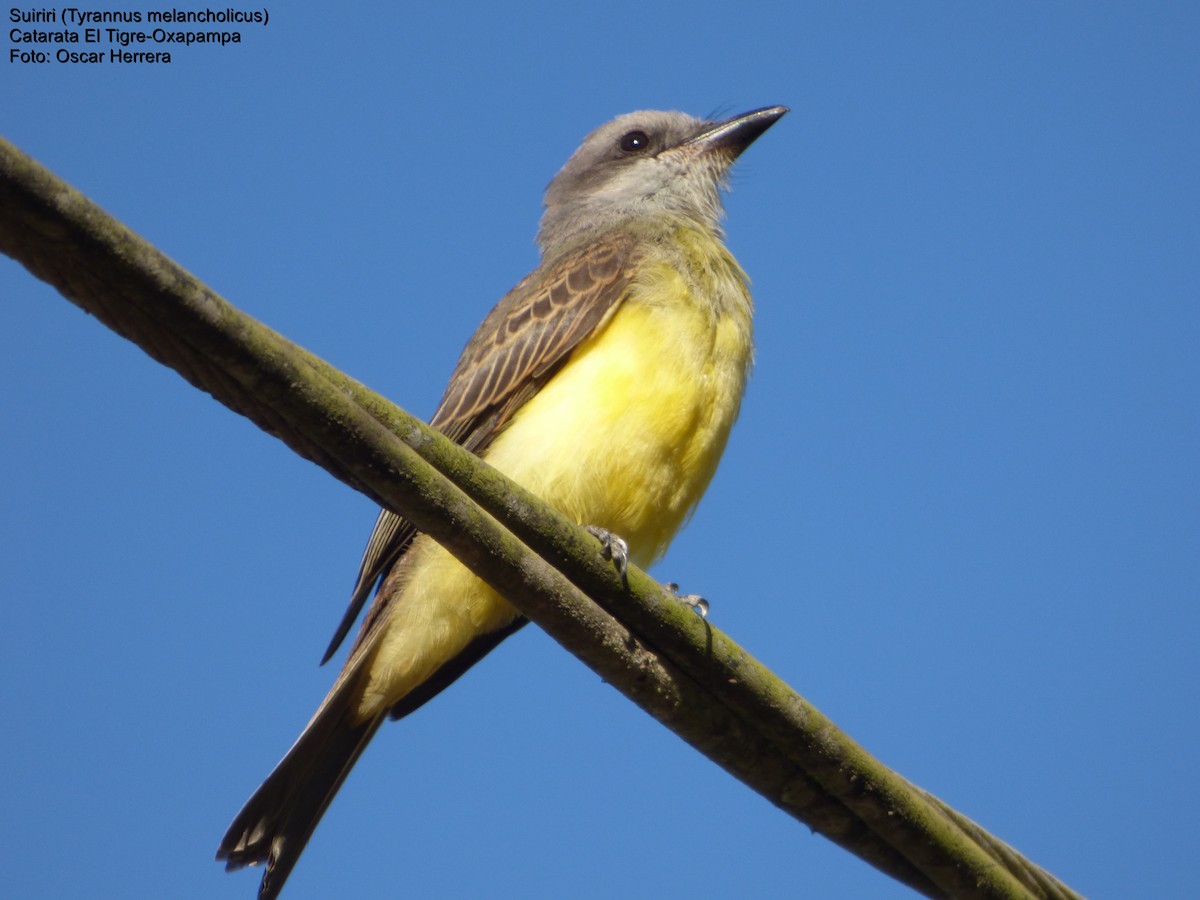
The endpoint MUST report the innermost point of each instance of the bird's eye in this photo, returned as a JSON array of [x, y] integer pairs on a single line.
[[634, 141]]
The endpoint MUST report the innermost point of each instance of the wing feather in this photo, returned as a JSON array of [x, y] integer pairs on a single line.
[[523, 341]]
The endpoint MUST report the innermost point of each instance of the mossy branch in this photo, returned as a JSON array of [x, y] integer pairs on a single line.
[[677, 667]]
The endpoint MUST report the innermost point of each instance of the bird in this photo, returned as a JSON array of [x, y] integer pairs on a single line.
[[606, 381]]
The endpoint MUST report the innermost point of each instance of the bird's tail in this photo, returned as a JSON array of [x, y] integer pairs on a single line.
[[280, 817]]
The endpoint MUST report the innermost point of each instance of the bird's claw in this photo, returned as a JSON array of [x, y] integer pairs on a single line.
[[611, 547], [695, 601]]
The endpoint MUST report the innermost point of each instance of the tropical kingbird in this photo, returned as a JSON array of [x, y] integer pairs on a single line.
[[606, 382]]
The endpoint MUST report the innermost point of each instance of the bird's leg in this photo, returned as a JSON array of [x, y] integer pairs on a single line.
[[695, 601], [611, 547]]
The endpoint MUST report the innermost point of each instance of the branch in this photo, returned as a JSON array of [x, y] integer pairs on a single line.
[[677, 667]]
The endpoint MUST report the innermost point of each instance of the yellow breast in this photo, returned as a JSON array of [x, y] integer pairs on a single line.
[[628, 434]]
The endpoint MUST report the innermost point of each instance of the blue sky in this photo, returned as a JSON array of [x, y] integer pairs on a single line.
[[960, 512]]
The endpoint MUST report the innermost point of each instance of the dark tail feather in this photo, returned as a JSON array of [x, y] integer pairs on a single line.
[[278, 820]]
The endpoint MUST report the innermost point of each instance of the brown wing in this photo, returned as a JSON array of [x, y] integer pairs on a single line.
[[523, 341]]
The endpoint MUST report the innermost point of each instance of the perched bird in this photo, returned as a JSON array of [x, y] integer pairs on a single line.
[[606, 382]]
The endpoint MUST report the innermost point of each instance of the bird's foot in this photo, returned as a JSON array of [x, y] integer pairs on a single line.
[[695, 601], [611, 547]]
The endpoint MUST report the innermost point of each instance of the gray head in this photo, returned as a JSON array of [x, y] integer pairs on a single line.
[[648, 163]]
